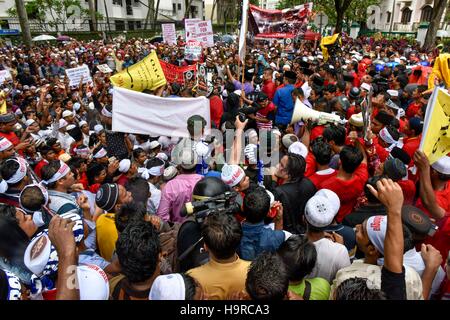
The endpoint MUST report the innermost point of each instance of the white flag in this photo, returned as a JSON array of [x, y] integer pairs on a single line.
[[243, 32], [136, 112]]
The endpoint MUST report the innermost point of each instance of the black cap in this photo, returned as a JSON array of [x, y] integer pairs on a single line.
[[354, 93], [417, 221], [319, 81], [290, 75], [7, 117], [261, 97], [107, 196]]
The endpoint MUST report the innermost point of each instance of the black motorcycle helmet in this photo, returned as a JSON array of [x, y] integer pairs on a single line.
[[209, 187]]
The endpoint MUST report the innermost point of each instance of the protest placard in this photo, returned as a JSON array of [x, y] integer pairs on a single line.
[[104, 68], [146, 74], [75, 74], [169, 33], [190, 26], [193, 50], [435, 142], [4, 75], [201, 31], [177, 74]]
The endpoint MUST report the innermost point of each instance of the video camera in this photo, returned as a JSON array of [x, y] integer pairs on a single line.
[[223, 203]]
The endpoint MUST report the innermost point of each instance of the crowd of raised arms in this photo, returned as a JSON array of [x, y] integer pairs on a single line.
[[344, 210]]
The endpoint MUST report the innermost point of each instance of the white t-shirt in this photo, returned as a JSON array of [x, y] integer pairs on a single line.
[[331, 257]]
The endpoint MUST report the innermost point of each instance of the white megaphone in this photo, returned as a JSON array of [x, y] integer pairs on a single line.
[[303, 113]]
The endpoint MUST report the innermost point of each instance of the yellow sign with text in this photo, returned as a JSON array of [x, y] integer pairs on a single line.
[[435, 141], [147, 74]]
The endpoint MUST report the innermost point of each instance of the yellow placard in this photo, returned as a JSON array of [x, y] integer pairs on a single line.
[[146, 74], [435, 141]]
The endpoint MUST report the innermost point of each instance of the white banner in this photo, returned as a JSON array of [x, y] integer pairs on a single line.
[[169, 33], [200, 31], [4, 74], [104, 68], [136, 112], [75, 75]]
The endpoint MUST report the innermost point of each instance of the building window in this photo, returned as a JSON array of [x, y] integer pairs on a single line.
[[174, 8], [388, 19], [130, 25], [117, 2], [406, 15], [120, 25], [179, 6], [427, 12]]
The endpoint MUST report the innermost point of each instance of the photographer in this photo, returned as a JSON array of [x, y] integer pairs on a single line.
[[225, 273]]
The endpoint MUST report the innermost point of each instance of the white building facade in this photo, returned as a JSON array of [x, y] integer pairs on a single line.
[[122, 15], [405, 15]]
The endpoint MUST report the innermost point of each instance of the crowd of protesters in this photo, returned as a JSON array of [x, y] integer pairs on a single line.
[[346, 211]]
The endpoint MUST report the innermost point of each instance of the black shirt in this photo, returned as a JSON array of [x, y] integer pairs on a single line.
[[363, 213]]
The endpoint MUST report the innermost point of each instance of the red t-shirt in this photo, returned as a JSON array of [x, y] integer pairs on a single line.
[[410, 146], [39, 166], [348, 191], [442, 199], [412, 110], [319, 177], [11, 136], [216, 110], [441, 239], [316, 132], [123, 179], [383, 154], [409, 191], [269, 89], [94, 188], [311, 165], [84, 181]]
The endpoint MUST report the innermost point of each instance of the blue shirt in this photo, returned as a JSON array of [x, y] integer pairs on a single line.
[[285, 104], [257, 239]]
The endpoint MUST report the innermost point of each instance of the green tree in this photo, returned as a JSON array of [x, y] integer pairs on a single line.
[[55, 15], [337, 11], [438, 10]]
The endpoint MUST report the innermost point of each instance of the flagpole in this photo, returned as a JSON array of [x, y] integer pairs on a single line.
[[243, 38]]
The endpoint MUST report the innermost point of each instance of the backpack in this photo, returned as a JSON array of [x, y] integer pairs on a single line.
[[168, 241]]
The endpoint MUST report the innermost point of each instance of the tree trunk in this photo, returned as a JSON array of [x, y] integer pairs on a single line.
[[212, 12], [341, 6], [24, 24], [187, 9], [151, 5], [438, 10], [92, 14], [155, 19]]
